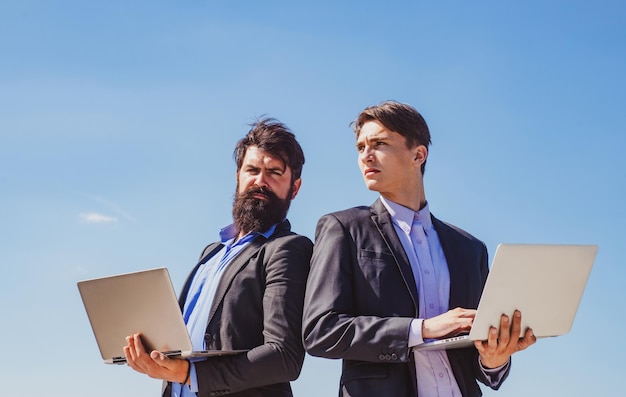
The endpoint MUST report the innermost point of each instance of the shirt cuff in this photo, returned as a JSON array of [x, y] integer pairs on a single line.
[[193, 379], [415, 332], [494, 375]]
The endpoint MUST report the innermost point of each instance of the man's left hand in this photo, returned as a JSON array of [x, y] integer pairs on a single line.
[[503, 343]]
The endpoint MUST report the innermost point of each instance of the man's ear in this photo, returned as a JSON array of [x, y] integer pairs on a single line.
[[296, 187], [421, 153]]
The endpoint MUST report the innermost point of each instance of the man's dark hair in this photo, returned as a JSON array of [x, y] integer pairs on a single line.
[[397, 117], [271, 136]]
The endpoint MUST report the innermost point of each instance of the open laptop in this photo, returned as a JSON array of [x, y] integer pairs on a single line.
[[144, 301], [545, 282]]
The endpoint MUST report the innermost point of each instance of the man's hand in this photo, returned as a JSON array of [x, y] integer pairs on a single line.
[[502, 344], [449, 323], [155, 365]]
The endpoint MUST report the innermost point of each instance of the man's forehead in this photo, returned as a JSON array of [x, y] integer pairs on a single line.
[[374, 134], [257, 156]]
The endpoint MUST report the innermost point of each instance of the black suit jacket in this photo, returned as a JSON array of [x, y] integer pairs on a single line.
[[257, 306], [361, 297]]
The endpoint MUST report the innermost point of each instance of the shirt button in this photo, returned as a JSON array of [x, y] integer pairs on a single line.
[[427, 271], [440, 375], [431, 306], [208, 338]]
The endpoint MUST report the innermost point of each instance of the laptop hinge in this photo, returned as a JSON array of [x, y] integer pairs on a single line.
[[172, 353], [117, 360]]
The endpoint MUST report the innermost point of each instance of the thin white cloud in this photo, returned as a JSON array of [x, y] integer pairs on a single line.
[[94, 217], [110, 205]]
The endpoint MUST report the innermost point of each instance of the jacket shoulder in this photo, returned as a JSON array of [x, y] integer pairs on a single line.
[[350, 214], [289, 237], [284, 234], [450, 230]]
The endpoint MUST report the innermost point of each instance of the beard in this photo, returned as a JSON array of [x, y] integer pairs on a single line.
[[251, 214]]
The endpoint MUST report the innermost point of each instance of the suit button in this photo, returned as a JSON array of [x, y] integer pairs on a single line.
[[208, 338], [388, 357], [394, 356], [382, 357]]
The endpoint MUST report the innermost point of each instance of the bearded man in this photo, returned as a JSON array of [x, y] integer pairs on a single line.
[[247, 291]]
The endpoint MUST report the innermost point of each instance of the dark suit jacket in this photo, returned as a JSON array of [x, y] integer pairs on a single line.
[[361, 297], [257, 306]]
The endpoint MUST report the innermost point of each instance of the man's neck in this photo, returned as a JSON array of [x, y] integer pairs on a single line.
[[413, 201], [410, 195]]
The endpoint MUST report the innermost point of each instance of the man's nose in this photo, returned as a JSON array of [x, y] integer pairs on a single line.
[[367, 155], [261, 180]]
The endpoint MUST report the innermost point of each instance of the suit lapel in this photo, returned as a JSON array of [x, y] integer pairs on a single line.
[[233, 268], [241, 260], [207, 254], [382, 220]]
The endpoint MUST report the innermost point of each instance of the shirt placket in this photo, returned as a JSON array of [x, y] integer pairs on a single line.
[[428, 279], [429, 300]]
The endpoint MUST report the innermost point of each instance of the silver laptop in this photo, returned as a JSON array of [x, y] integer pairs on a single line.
[[545, 282], [144, 301]]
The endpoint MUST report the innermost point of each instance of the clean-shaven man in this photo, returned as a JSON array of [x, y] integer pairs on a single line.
[[387, 277]]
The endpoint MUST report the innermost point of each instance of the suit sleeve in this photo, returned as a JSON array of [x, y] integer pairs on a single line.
[[280, 357], [335, 323]]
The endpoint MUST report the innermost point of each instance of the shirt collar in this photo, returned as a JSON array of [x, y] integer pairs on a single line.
[[229, 233], [404, 216]]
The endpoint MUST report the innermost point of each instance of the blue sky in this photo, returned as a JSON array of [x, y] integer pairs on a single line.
[[118, 120]]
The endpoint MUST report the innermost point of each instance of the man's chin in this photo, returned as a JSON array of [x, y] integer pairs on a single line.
[[372, 185]]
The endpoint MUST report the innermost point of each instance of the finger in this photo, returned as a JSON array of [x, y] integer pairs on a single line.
[[505, 335], [480, 346], [159, 358], [141, 360], [492, 341], [131, 360], [516, 327], [128, 355], [138, 345], [129, 349], [466, 313], [529, 339]]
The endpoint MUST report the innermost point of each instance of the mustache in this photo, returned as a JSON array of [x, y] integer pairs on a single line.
[[249, 194]]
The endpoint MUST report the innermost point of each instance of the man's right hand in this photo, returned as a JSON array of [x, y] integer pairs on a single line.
[[449, 323]]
